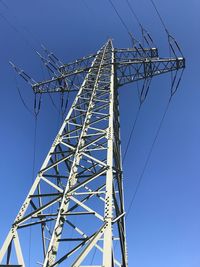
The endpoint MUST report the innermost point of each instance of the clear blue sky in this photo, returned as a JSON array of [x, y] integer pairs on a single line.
[[163, 227]]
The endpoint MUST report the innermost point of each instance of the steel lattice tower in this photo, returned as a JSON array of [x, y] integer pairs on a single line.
[[77, 196]]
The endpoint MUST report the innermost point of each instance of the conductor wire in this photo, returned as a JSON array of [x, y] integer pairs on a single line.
[[134, 14], [159, 15], [120, 17], [172, 93], [148, 158]]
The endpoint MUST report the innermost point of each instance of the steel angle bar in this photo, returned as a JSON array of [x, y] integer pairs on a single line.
[[80, 204], [89, 246]]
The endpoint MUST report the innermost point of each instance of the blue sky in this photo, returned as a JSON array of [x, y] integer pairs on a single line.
[[163, 227]]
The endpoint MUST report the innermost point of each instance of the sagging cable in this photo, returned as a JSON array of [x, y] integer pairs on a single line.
[[22, 99], [176, 82], [147, 37], [145, 90], [174, 46], [145, 34], [37, 104]]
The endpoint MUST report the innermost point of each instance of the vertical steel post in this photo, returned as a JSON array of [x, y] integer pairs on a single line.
[[108, 213]]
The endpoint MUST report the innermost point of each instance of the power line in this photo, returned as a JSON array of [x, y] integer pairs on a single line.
[[17, 31], [30, 44], [22, 99], [142, 96], [133, 13], [35, 114], [171, 39], [148, 157], [133, 39], [120, 17], [51, 99], [173, 45], [159, 15], [24, 28], [131, 133], [145, 34], [174, 87]]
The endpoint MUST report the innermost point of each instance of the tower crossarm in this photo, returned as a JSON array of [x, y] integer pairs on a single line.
[[124, 54], [70, 81], [58, 84], [120, 54], [70, 78], [139, 69], [72, 74], [78, 65]]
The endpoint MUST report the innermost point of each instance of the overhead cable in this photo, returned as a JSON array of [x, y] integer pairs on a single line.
[[145, 34], [174, 88], [171, 40], [120, 17], [131, 133], [142, 96], [147, 159], [23, 101]]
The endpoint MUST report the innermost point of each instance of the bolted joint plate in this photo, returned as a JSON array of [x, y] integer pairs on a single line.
[[180, 63], [154, 52]]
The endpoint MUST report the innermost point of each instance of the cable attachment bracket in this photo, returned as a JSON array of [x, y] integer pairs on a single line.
[[48, 64], [51, 56], [24, 75]]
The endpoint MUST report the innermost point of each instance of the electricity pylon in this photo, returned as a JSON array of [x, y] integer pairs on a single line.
[[75, 207]]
